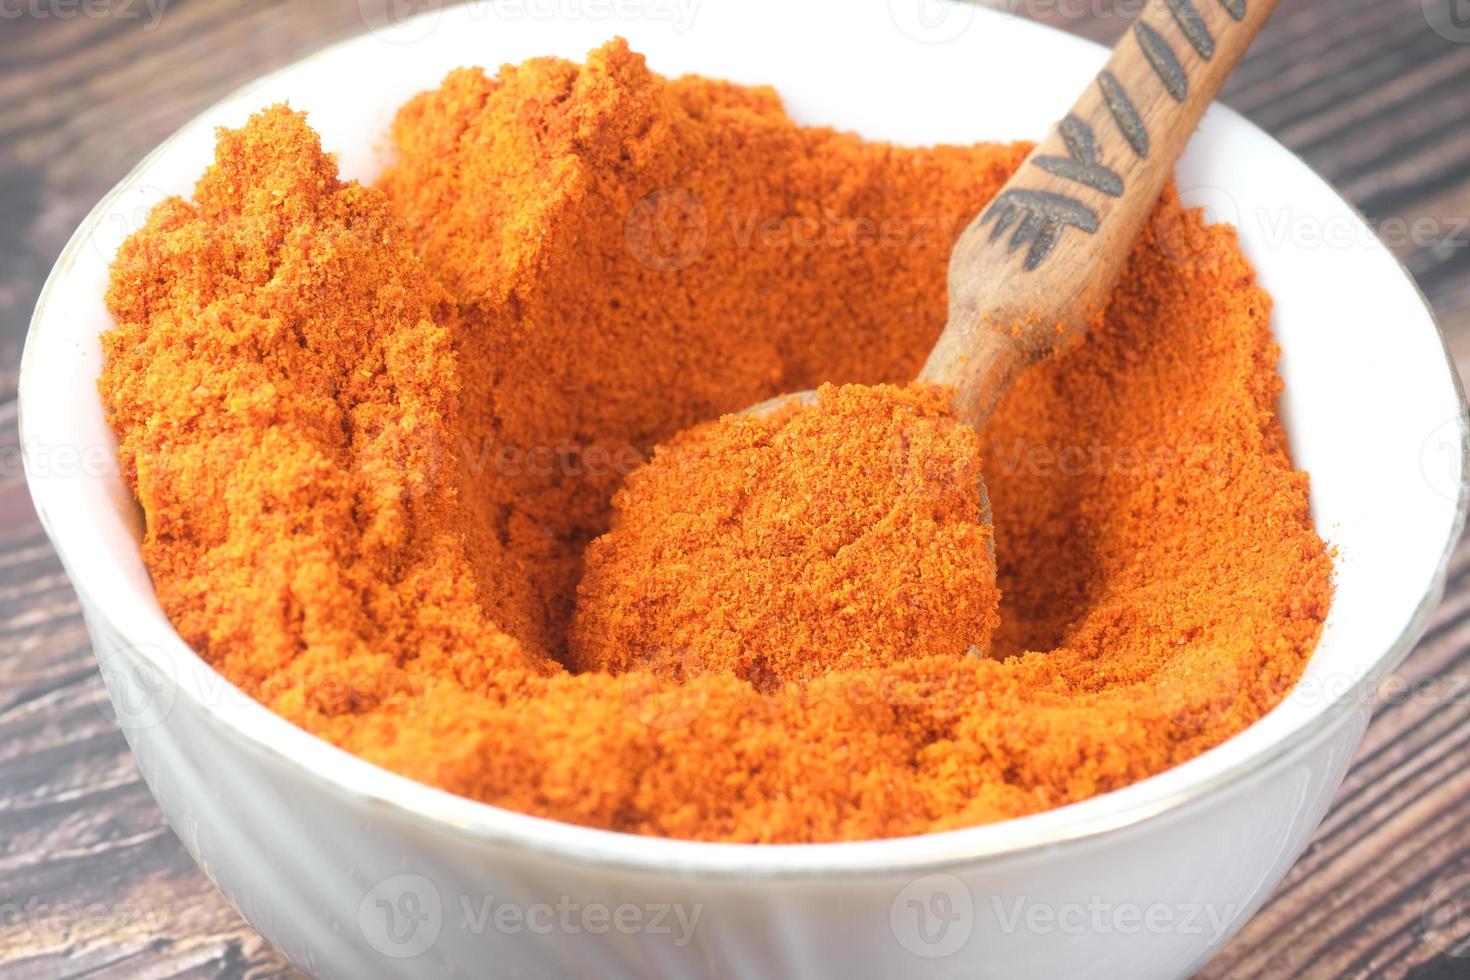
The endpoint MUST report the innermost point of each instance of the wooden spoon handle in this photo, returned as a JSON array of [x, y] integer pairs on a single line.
[[1036, 266]]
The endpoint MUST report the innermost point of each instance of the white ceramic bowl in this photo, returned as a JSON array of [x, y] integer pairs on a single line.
[[355, 872]]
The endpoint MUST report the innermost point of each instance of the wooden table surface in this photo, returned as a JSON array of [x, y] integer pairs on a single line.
[[1374, 94]]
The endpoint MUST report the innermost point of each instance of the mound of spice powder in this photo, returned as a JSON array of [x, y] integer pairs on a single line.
[[373, 431]]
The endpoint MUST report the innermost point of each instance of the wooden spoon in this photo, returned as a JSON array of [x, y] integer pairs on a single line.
[[1034, 268]]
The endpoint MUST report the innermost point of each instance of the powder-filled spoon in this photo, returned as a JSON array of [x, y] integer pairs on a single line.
[[851, 530]]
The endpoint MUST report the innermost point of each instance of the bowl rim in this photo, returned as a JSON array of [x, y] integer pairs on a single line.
[[486, 824]]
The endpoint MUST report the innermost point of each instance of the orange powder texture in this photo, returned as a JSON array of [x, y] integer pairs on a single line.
[[373, 431], [844, 536]]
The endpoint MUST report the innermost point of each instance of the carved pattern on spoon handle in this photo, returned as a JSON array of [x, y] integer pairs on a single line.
[[1073, 209], [1045, 217]]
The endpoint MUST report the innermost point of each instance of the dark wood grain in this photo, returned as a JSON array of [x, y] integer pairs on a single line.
[[92, 881]]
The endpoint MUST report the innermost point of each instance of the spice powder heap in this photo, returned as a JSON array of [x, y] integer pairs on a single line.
[[374, 430]]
